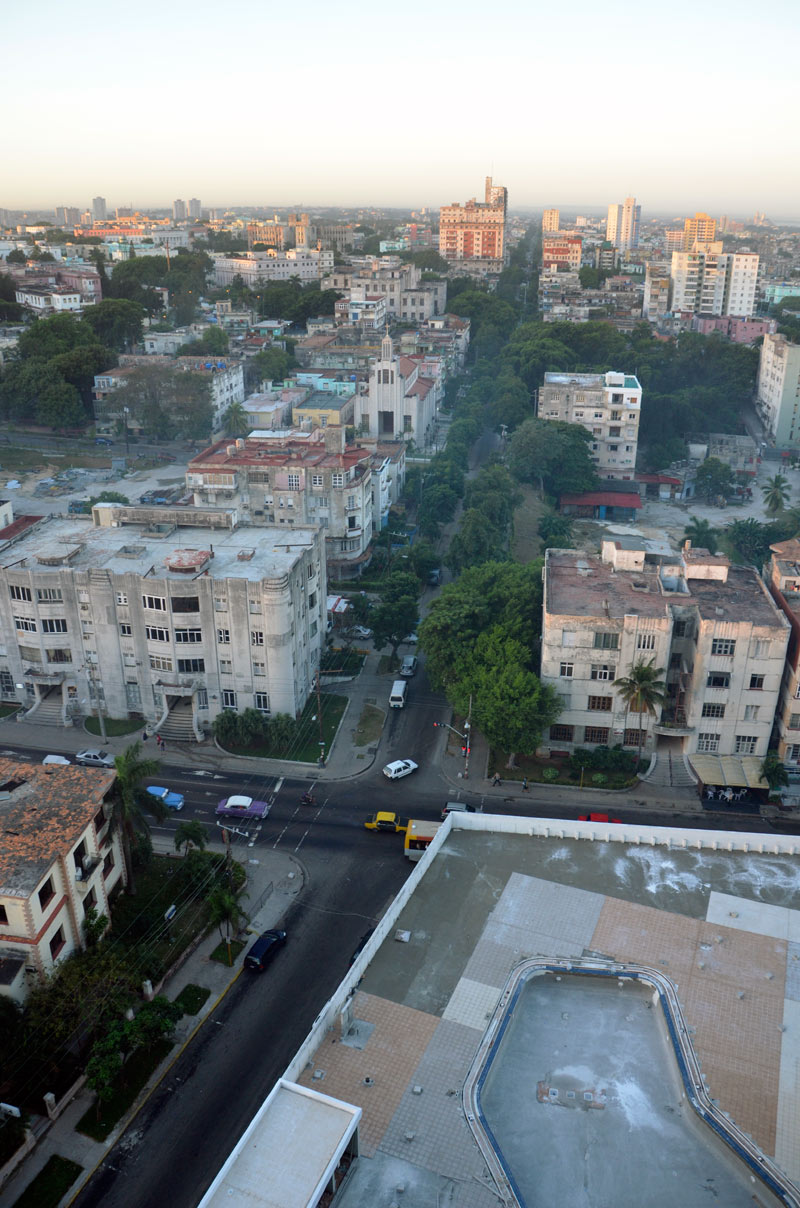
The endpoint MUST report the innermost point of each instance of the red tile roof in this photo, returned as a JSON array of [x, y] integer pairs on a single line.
[[610, 499]]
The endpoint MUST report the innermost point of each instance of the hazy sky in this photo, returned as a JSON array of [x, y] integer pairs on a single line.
[[688, 105]]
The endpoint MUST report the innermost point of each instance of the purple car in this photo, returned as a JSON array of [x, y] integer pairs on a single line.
[[242, 807]]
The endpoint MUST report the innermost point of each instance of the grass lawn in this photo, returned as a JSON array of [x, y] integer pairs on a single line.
[[140, 918], [99, 1120], [346, 662], [33, 460], [50, 1185], [220, 953], [370, 725], [305, 746], [191, 998], [387, 664], [6, 710], [114, 726], [536, 772]]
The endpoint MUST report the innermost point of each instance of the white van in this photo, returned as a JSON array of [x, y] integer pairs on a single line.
[[397, 696], [61, 760]]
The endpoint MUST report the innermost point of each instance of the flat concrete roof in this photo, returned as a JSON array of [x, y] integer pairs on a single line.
[[719, 923], [135, 549]]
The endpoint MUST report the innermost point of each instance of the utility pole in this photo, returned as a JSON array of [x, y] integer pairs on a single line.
[[94, 692], [468, 728], [319, 718]]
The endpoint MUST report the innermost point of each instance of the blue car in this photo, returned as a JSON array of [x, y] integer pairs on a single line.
[[173, 801]]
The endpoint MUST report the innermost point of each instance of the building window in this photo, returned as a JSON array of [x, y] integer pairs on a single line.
[[185, 603], [122, 597], [760, 650], [561, 733], [259, 669], [294, 482], [262, 701], [723, 646], [220, 604], [59, 655], [645, 641], [718, 679], [598, 734], [756, 683], [316, 480], [256, 637], [155, 633], [603, 671], [159, 663], [606, 641], [707, 743], [228, 699], [46, 893], [600, 704], [679, 629], [224, 637], [19, 593], [751, 712], [226, 666], [188, 635], [189, 665], [793, 752], [746, 744], [794, 721], [566, 670], [57, 943], [125, 629], [108, 866], [6, 683], [337, 480], [3, 917], [25, 624], [48, 595], [631, 738], [30, 654], [567, 637], [710, 710], [154, 603]]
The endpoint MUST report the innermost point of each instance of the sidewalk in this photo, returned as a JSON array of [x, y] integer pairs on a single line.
[[274, 880]]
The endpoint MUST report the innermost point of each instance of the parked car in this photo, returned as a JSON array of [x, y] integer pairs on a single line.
[[173, 801], [457, 807], [399, 768], [103, 440], [359, 631], [434, 577], [408, 667], [239, 806], [411, 639], [598, 818], [95, 759], [264, 949], [58, 759]]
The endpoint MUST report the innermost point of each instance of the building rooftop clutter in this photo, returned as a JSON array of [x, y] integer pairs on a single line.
[[43, 811], [320, 447], [581, 584], [63, 543]]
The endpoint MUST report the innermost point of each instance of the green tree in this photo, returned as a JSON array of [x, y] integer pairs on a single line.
[[510, 705], [423, 559], [590, 277], [776, 494], [555, 531], [213, 342], [106, 1061], [494, 493], [643, 690], [393, 619], [773, 771], [714, 479], [237, 420], [748, 541], [477, 541], [17, 256], [553, 454], [130, 800], [117, 323], [702, 534], [226, 914], [154, 1021], [190, 834]]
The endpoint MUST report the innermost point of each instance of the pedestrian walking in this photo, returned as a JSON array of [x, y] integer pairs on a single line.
[[144, 736], [525, 783], [496, 780]]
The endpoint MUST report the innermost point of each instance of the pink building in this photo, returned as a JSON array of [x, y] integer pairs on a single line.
[[739, 331]]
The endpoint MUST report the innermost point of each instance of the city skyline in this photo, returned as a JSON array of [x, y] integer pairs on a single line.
[[550, 126]]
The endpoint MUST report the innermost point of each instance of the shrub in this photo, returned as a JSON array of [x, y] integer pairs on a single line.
[[599, 778], [550, 774]]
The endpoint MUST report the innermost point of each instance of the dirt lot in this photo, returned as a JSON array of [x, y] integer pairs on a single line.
[[526, 545]]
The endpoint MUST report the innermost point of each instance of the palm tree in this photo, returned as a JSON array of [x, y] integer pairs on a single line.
[[702, 534], [191, 834], [776, 494], [225, 912], [130, 800], [237, 421], [642, 690]]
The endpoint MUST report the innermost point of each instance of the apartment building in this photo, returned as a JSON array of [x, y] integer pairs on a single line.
[[700, 229], [401, 403], [783, 578], [476, 230], [712, 628], [778, 390], [655, 303], [551, 222], [306, 264], [400, 285], [47, 300], [99, 209], [294, 479], [714, 282], [622, 224], [225, 376], [608, 405], [170, 614], [59, 859], [179, 210], [561, 252]]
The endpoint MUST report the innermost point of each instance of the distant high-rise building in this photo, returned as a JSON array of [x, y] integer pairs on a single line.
[[622, 226], [712, 282], [550, 222], [178, 210], [475, 231], [68, 215], [99, 211], [700, 229], [194, 207], [655, 303]]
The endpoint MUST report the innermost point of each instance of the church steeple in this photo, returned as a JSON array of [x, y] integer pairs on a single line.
[[387, 349]]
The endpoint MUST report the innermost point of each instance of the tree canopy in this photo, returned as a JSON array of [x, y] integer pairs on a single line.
[[553, 455]]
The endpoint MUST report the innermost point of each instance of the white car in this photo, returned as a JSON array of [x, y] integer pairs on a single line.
[[400, 768], [360, 631], [411, 639]]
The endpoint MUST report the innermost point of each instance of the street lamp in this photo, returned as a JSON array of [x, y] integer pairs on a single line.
[[125, 414], [467, 745]]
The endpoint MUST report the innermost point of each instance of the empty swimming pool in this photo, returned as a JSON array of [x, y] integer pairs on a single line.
[[581, 1093]]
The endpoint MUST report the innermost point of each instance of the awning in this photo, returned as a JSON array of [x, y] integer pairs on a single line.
[[738, 771]]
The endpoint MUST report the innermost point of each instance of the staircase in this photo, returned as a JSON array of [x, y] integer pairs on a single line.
[[48, 712], [670, 769], [177, 726]]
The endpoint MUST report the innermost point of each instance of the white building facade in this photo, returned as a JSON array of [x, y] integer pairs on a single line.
[[401, 402], [608, 405], [306, 264], [778, 389], [714, 283]]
